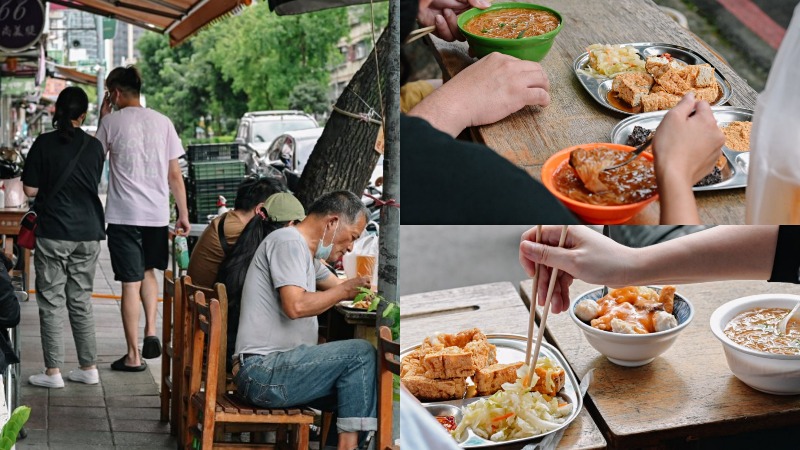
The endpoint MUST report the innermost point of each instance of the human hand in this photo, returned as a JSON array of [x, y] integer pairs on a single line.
[[489, 90], [444, 15], [686, 146], [182, 225], [587, 255], [350, 286], [106, 108]]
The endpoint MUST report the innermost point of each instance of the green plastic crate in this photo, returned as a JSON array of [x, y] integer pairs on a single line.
[[216, 170]]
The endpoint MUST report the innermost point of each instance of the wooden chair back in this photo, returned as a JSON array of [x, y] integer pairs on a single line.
[[388, 364], [219, 293], [170, 360], [205, 353]]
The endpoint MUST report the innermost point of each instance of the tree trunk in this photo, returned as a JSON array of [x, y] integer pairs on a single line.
[[344, 156]]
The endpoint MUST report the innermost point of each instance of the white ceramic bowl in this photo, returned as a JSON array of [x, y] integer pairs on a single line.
[[633, 350], [766, 372]]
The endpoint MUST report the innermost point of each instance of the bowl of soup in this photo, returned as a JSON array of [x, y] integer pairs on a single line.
[[757, 355], [522, 30], [636, 348], [630, 188]]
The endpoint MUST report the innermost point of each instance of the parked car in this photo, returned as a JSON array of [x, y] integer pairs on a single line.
[[293, 148], [258, 129]]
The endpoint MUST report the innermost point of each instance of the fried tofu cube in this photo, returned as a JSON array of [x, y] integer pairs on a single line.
[[675, 81], [659, 101], [667, 298], [451, 362], [549, 382], [631, 86], [424, 388], [411, 364], [490, 379], [657, 65], [709, 94], [483, 353], [701, 75]]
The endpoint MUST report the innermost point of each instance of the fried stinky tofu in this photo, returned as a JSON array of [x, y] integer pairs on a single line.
[[550, 381], [709, 94], [450, 362], [659, 100], [424, 388], [411, 364], [631, 86], [667, 298], [657, 65], [490, 379]]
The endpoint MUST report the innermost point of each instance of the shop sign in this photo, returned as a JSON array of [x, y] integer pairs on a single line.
[[21, 24]]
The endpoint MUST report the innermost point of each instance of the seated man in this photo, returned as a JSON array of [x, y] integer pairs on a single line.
[[209, 253], [279, 361]]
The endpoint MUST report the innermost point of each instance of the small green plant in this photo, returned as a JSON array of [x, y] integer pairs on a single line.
[[391, 312], [11, 430]]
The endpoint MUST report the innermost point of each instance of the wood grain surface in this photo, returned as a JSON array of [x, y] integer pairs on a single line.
[[494, 308], [528, 137], [687, 395]]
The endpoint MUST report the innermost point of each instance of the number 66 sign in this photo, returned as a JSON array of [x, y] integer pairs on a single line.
[[21, 24]]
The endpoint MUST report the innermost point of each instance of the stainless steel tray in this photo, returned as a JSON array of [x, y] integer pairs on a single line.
[[734, 175], [598, 87], [511, 349]]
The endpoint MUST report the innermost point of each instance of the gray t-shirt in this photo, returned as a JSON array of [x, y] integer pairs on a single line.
[[282, 259]]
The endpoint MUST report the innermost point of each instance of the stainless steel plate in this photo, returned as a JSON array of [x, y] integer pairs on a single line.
[[511, 349], [734, 175], [598, 87]]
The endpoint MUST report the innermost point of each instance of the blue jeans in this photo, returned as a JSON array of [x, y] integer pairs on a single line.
[[339, 375]]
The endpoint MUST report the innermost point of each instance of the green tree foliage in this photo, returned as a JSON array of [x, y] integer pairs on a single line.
[[310, 97], [254, 61]]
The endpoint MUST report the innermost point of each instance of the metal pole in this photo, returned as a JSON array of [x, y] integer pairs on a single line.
[[390, 216], [101, 65]]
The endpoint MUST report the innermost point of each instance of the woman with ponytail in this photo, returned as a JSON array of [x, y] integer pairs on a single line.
[[63, 171]]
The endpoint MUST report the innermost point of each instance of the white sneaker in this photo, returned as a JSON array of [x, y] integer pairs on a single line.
[[90, 376], [45, 380]]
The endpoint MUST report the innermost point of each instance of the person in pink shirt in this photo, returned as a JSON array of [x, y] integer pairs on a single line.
[[143, 150]]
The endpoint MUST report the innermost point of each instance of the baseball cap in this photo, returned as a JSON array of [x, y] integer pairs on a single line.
[[283, 207]]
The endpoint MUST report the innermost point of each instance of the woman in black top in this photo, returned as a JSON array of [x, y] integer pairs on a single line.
[[68, 236]]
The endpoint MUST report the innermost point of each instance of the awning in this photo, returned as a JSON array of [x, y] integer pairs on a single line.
[[178, 18], [74, 75]]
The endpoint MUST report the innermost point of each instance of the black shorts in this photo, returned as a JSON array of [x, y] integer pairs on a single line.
[[135, 249]]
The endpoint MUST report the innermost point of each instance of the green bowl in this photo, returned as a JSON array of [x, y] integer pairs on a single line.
[[532, 48]]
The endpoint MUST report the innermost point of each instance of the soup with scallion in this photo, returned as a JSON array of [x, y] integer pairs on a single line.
[[512, 23], [757, 329]]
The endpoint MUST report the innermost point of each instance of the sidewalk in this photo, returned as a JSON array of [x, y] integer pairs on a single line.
[[122, 412]]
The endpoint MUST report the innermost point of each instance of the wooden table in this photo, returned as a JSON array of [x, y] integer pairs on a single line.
[[687, 396], [528, 137], [9, 227], [494, 308]]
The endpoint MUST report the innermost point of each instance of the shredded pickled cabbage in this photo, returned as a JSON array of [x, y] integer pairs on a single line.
[[612, 60], [515, 411]]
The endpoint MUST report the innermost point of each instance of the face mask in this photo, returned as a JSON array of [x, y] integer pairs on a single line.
[[324, 252]]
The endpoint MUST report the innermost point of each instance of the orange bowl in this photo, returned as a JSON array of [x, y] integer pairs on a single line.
[[597, 214]]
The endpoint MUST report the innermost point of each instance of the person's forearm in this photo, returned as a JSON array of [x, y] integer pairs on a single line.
[[313, 303], [678, 206], [179, 193], [716, 254], [437, 109]]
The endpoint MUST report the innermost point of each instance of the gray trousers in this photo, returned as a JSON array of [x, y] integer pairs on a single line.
[[65, 277]]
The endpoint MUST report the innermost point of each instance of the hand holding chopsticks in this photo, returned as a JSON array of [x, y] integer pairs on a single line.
[[532, 359]]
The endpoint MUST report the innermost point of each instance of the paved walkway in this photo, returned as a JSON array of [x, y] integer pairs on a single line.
[[122, 412]]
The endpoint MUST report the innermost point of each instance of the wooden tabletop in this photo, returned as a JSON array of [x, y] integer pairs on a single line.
[[688, 394], [494, 308], [527, 138]]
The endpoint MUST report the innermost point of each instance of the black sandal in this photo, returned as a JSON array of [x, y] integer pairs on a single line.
[[151, 347], [122, 367]]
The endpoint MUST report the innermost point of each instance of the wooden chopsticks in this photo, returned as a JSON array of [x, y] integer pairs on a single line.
[[419, 32], [535, 357], [532, 315]]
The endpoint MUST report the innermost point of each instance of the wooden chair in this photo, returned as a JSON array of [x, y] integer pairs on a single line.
[[170, 385], [188, 291], [222, 408], [388, 364]]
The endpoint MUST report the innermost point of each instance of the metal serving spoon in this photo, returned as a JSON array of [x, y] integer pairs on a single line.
[[785, 321], [635, 153]]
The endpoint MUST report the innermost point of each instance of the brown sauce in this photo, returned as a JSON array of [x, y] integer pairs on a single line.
[[756, 329], [631, 183], [512, 23]]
